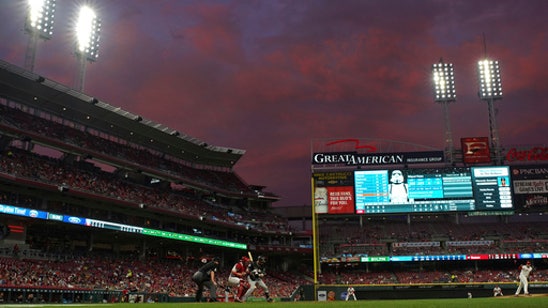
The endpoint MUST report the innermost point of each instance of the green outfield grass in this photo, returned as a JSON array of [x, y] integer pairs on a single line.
[[506, 301]]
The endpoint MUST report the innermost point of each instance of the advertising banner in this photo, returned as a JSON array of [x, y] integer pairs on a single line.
[[530, 187]]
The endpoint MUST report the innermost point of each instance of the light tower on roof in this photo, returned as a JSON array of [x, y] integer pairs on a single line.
[[490, 85], [39, 25], [87, 29], [444, 93]]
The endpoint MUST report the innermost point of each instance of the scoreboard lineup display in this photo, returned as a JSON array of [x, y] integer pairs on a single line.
[[425, 190]]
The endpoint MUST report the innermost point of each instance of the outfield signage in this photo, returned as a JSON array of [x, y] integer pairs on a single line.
[[533, 154], [374, 159], [375, 259], [102, 224], [530, 187], [428, 258]]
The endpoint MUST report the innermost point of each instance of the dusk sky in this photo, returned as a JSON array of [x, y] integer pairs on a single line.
[[270, 76]]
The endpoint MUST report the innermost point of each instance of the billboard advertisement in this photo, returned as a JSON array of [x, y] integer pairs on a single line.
[[530, 187], [334, 192], [475, 150]]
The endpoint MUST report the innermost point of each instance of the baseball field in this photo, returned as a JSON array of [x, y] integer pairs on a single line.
[[537, 300]]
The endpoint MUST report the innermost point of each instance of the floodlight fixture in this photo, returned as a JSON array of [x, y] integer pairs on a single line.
[[88, 29], [491, 90], [40, 18], [444, 82], [39, 24], [490, 80], [444, 93]]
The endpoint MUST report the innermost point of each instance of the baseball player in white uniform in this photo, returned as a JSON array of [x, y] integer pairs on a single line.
[[525, 271]]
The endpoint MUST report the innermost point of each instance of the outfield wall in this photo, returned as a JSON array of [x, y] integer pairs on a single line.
[[416, 291], [320, 293], [43, 295]]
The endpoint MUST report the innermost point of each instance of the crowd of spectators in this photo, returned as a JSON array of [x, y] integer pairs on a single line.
[[431, 238], [172, 276], [429, 276], [77, 174], [103, 144], [151, 276], [96, 183]]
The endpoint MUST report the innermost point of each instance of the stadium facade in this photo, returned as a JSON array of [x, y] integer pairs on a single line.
[[80, 176]]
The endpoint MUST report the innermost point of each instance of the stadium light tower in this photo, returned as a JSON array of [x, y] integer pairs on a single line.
[[490, 90], [444, 93], [88, 29], [39, 25]]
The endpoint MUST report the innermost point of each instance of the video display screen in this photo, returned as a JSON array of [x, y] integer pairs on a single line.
[[491, 188], [432, 190], [334, 192]]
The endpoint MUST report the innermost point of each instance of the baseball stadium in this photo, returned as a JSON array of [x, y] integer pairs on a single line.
[[100, 206]]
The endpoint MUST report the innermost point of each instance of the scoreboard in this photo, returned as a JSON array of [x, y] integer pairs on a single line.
[[424, 190]]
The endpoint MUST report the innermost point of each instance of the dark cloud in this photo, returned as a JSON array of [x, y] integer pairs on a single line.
[[271, 76]]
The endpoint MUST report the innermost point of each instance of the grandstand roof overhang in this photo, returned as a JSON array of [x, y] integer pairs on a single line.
[[40, 93]]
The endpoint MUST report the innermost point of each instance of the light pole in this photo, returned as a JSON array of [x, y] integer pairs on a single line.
[[39, 24], [88, 29], [491, 90], [444, 93]]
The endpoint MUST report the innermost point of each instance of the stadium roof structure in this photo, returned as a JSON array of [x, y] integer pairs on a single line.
[[40, 93]]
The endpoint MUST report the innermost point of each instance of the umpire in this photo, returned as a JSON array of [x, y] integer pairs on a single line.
[[205, 276]]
